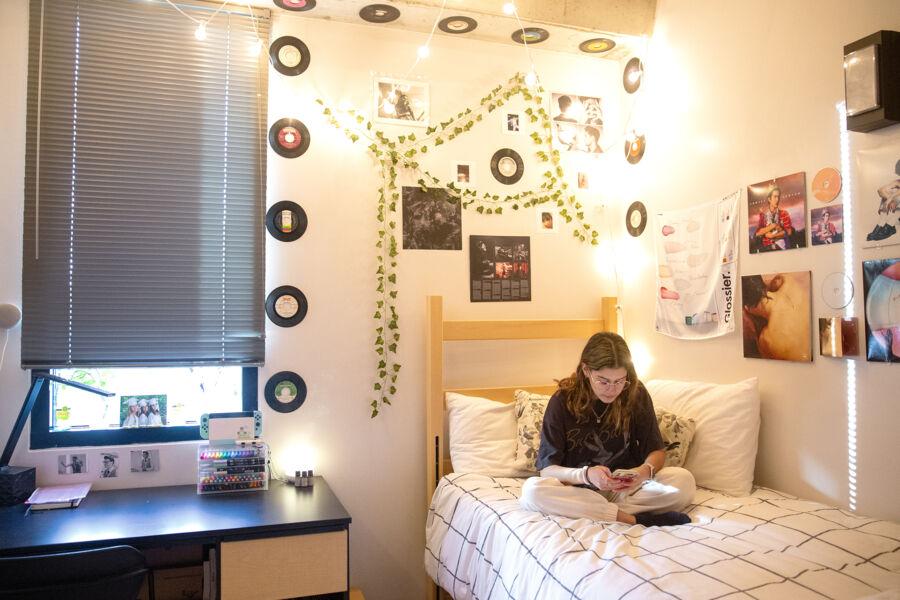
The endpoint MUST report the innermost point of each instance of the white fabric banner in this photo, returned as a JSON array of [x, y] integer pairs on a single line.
[[696, 268]]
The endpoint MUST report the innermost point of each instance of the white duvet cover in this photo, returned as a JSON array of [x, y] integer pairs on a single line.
[[481, 545]]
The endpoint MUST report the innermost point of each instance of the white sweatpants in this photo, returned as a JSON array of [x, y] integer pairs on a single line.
[[672, 489]]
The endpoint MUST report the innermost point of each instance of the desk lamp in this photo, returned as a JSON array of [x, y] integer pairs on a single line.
[[17, 483]]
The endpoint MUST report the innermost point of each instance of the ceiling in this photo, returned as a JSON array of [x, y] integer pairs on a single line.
[[569, 23]]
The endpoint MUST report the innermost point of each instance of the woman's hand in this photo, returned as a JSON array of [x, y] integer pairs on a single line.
[[601, 478]]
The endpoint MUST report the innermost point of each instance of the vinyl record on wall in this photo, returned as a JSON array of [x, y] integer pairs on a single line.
[[597, 45], [530, 35], [286, 306], [457, 24], [634, 149], [636, 218], [289, 137], [285, 392], [296, 5], [289, 55], [507, 166], [379, 13], [632, 74], [286, 221]]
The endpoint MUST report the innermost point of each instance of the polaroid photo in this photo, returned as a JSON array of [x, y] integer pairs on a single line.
[[548, 219], [71, 464], [399, 102], [144, 461], [512, 122]]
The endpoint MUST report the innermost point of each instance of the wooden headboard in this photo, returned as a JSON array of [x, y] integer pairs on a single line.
[[439, 331]]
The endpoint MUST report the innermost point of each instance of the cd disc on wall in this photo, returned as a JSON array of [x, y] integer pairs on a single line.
[[457, 24], [507, 166], [379, 13], [289, 55], [634, 149], [636, 218], [826, 185], [296, 5], [289, 137]]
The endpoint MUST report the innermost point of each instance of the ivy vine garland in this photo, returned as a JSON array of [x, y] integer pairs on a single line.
[[401, 152]]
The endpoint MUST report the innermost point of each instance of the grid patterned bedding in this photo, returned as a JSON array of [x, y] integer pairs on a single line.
[[481, 545]]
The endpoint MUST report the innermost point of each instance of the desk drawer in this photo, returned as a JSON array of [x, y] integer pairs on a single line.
[[284, 567]]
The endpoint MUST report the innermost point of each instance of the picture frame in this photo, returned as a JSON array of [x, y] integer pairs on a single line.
[[401, 102]]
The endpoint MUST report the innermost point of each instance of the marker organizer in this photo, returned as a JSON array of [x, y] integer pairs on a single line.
[[232, 467]]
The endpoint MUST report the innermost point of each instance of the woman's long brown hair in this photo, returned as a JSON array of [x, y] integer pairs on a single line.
[[605, 350]]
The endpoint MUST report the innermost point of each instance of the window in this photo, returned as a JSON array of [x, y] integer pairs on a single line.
[[143, 256]]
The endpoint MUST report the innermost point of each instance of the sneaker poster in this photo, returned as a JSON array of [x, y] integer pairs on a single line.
[[877, 194]]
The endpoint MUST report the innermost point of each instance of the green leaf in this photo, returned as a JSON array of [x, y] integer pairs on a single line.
[[354, 138], [377, 386]]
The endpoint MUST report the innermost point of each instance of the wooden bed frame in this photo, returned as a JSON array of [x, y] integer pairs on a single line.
[[438, 331]]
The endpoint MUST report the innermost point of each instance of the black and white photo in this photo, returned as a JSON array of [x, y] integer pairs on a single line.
[[432, 219], [71, 464], [109, 465], [512, 122], [401, 102], [144, 461], [499, 268], [577, 123]]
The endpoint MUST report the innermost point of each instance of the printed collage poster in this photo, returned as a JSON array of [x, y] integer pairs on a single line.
[[499, 268], [696, 266]]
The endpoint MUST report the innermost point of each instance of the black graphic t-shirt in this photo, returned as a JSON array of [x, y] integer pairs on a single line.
[[567, 442]]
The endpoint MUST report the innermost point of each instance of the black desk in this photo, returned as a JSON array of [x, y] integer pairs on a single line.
[[260, 536]]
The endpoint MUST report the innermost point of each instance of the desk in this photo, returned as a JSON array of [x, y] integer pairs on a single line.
[[279, 543]]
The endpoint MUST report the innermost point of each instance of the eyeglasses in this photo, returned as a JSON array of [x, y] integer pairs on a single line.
[[607, 384]]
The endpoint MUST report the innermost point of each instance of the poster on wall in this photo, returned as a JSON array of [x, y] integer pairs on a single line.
[[826, 225], [878, 194], [696, 266], [499, 268], [432, 219], [776, 213], [401, 102], [881, 289], [577, 123], [838, 337], [776, 316]]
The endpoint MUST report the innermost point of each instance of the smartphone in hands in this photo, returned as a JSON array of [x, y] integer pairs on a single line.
[[625, 475]]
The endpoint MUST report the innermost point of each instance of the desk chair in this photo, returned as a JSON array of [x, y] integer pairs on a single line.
[[114, 573]]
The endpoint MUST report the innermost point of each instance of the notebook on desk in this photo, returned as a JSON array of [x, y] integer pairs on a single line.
[[58, 496]]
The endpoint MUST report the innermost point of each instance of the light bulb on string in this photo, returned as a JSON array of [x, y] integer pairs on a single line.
[[531, 78], [200, 32], [424, 51], [256, 47], [509, 8]]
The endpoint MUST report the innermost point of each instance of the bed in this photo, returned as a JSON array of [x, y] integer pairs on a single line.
[[480, 544]]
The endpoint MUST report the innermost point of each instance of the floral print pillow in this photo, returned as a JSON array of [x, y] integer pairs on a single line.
[[529, 418], [677, 432]]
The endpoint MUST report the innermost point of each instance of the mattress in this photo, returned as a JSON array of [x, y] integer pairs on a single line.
[[481, 545]]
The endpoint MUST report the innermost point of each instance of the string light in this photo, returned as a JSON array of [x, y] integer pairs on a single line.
[[424, 52], [531, 78], [509, 8], [200, 32]]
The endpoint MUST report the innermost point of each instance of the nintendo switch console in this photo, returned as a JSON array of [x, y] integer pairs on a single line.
[[232, 426]]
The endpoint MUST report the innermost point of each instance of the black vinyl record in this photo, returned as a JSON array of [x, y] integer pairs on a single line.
[[507, 166], [286, 221], [289, 55], [285, 392], [457, 24], [636, 218], [289, 137], [634, 149], [379, 13], [296, 5], [530, 35], [286, 306], [632, 74], [597, 45]]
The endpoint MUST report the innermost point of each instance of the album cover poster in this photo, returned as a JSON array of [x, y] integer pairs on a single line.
[[877, 194], [432, 219], [838, 337], [499, 268], [577, 123], [881, 289], [777, 316], [776, 213], [826, 225], [400, 102]]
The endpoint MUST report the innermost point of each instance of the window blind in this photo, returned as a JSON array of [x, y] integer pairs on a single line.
[[145, 185]]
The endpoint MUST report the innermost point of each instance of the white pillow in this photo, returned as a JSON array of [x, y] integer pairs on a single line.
[[482, 435], [723, 452]]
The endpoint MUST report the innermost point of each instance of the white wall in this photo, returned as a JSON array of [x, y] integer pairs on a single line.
[[376, 467], [740, 92]]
